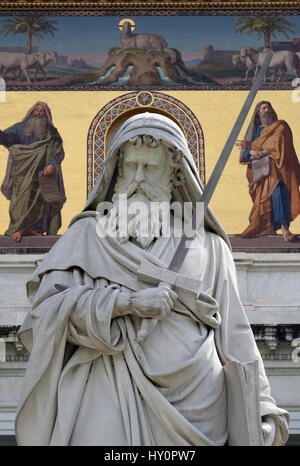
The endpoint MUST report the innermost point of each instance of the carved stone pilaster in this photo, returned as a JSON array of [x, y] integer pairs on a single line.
[[271, 337], [8, 335], [281, 341]]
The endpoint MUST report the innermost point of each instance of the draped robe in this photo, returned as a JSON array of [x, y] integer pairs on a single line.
[[89, 382]]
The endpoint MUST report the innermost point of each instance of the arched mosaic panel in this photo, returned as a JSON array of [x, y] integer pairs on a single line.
[[148, 101]]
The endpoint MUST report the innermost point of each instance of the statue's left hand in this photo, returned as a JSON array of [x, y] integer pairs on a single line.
[[269, 430], [49, 170]]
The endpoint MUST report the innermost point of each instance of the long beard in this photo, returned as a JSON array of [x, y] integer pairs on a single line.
[[266, 119], [36, 126], [142, 225]]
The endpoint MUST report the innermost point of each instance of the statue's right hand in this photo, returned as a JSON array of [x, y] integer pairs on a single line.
[[153, 302]]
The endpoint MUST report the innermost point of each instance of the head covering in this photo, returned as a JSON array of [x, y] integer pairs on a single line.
[[47, 111], [161, 128], [255, 120]]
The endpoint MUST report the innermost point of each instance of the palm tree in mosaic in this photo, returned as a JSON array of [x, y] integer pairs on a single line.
[[30, 26], [265, 26]]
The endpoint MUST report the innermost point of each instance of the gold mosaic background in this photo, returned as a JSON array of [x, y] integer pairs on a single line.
[[216, 111]]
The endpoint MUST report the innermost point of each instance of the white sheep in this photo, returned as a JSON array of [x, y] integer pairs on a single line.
[[282, 60], [12, 61], [247, 62], [38, 66]]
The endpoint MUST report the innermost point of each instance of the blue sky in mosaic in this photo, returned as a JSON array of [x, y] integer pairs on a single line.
[[92, 37]]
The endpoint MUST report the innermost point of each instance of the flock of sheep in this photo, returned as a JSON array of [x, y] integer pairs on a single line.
[[281, 62], [22, 62]]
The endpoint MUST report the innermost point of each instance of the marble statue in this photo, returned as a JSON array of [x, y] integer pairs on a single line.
[[90, 380]]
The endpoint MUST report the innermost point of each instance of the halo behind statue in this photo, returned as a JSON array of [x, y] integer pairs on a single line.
[[111, 116]]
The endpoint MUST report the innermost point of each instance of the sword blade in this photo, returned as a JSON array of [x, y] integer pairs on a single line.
[[209, 189]]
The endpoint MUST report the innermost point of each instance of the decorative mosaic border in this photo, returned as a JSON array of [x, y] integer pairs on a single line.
[[144, 99], [169, 87], [59, 11], [156, 6]]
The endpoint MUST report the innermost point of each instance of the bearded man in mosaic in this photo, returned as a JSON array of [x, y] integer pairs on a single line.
[[34, 146], [275, 196]]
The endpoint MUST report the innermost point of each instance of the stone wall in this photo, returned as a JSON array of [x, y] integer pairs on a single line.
[[269, 290], [218, 56]]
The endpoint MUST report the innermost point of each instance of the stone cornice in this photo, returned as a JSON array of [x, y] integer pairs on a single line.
[[279, 343], [247, 248]]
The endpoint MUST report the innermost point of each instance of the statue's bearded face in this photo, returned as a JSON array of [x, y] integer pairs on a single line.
[[144, 170], [144, 177]]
